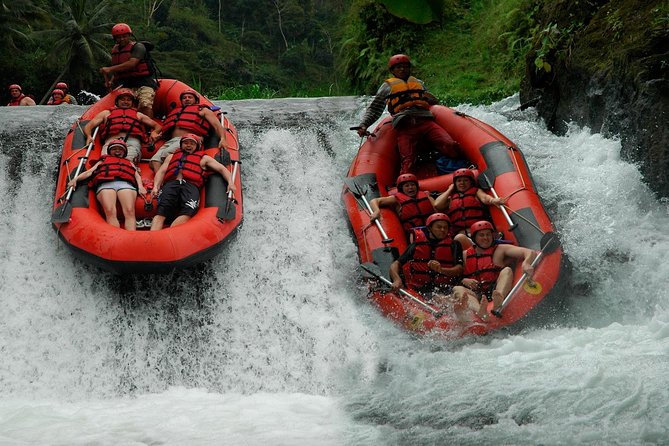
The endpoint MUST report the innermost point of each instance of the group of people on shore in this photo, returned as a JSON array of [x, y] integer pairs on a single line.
[[454, 257], [179, 166]]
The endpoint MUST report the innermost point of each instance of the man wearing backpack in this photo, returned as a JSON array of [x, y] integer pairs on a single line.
[[131, 68]]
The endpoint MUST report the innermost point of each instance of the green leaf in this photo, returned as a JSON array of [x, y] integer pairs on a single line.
[[416, 11]]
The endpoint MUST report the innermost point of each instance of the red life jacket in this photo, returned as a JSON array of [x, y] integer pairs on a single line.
[[120, 55], [465, 209], [114, 168], [55, 101], [405, 94], [480, 267], [17, 101], [188, 165], [187, 117], [416, 271], [123, 120], [414, 210]]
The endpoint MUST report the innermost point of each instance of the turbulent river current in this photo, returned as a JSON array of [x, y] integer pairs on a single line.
[[273, 342]]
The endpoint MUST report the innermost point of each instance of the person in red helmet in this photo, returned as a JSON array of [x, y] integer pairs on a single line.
[[67, 98], [432, 263], [131, 68], [488, 276], [191, 117], [115, 178], [183, 177], [17, 97], [57, 96], [464, 202], [413, 206], [408, 102], [123, 122]]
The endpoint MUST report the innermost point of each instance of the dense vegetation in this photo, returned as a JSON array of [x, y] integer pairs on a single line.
[[466, 50]]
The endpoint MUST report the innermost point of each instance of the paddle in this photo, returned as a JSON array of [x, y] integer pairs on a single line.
[[359, 195], [485, 184], [63, 212], [373, 269], [549, 243], [230, 210]]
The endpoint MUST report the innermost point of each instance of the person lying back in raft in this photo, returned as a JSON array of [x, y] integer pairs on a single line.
[[67, 98], [183, 173], [433, 263], [465, 203], [488, 275], [17, 97], [413, 206], [123, 122], [408, 102], [191, 117], [115, 178]]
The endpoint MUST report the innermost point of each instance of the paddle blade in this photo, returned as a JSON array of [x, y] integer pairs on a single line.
[[62, 213], [549, 242], [228, 212], [484, 183], [353, 187], [371, 268]]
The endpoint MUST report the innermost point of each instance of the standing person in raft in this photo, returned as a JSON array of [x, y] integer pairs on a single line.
[[408, 103], [191, 117], [183, 173], [130, 68], [432, 264], [115, 178], [17, 97], [413, 206], [122, 122], [488, 274]]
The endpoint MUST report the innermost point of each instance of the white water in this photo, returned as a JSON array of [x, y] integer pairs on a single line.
[[283, 349]]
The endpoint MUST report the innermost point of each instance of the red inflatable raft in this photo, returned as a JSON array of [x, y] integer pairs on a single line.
[[523, 221], [79, 219]]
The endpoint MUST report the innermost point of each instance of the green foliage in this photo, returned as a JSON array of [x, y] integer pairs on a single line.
[[417, 11]]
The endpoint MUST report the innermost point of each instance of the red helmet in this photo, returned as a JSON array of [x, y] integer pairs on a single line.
[[15, 86], [120, 29], [123, 92], [118, 142], [437, 216], [464, 173], [62, 86], [406, 178], [193, 137], [480, 226], [58, 91], [190, 91], [397, 59]]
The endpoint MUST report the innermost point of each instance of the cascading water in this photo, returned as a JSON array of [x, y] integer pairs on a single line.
[[273, 341]]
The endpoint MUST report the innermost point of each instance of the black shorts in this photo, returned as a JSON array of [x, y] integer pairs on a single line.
[[178, 197]]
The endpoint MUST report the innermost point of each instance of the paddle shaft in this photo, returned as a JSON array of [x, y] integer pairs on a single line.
[[510, 222], [405, 293], [386, 239], [232, 178], [82, 161], [516, 287]]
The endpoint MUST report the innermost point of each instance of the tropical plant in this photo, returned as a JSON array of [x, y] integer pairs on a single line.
[[80, 35]]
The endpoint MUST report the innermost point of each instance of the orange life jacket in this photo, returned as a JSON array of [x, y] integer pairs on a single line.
[[465, 209], [114, 168], [122, 54], [123, 120], [416, 272], [187, 117], [188, 165], [414, 210], [405, 94]]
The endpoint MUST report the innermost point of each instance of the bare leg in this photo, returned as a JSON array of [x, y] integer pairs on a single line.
[[107, 199], [181, 219], [157, 223], [127, 198], [504, 284], [155, 165]]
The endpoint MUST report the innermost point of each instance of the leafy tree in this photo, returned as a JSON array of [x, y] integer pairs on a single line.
[[80, 35]]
